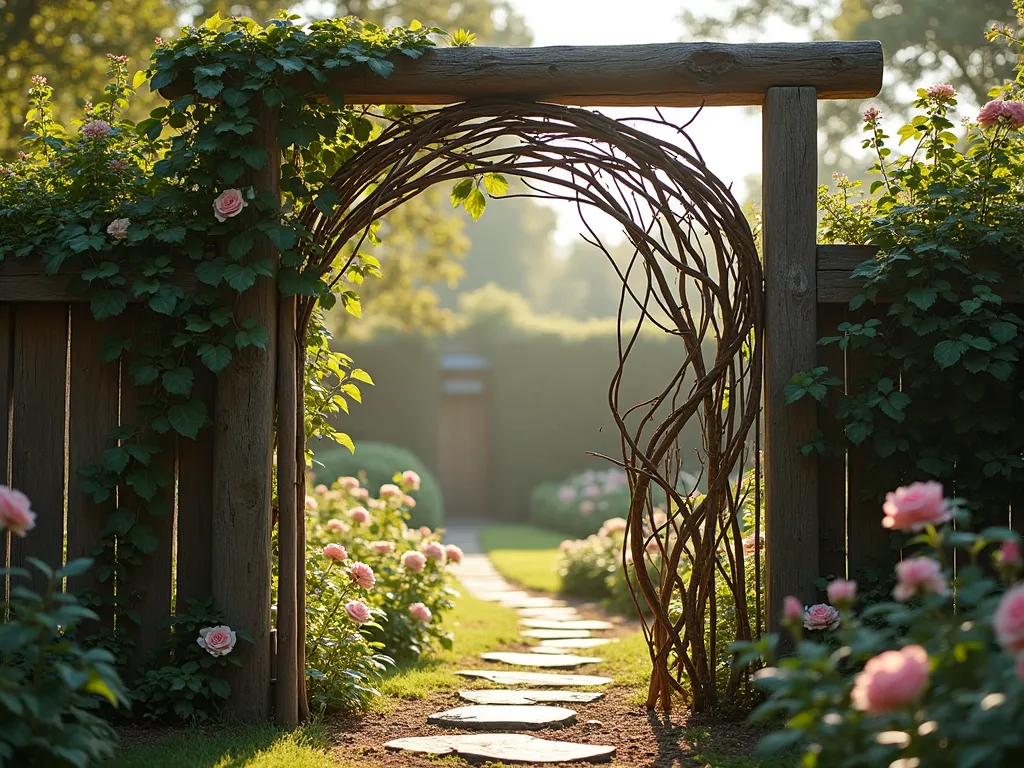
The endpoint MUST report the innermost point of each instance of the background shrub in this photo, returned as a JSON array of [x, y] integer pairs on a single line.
[[379, 462]]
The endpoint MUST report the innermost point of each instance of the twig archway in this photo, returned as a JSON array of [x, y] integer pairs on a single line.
[[694, 274]]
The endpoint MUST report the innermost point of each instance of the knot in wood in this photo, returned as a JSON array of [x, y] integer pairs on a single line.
[[710, 64], [797, 282]]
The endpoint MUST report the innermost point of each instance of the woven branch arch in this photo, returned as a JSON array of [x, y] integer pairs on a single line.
[[694, 274]]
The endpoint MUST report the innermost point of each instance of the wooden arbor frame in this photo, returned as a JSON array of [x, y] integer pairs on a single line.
[[786, 80]]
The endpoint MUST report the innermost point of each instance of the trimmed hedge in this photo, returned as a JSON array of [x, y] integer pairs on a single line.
[[379, 462], [579, 505]]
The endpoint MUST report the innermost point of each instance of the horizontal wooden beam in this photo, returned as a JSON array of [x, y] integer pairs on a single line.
[[659, 75], [25, 280]]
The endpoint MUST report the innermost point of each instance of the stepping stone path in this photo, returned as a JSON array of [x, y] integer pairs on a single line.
[[525, 698], [506, 747], [520, 710], [558, 661], [504, 718], [574, 642]]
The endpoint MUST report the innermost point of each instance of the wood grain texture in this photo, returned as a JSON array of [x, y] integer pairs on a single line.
[[25, 280], [6, 370], [790, 224], [37, 455], [831, 467], [92, 414], [242, 459], [661, 74]]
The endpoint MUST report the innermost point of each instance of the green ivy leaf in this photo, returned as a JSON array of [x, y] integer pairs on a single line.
[[461, 191], [495, 184], [144, 538], [211, 272], [209, 88], [112, 346], [948, 352], [240, 245], [215, 356], [475, 204], [120, 521], [178, 381], [188, 418], [922, 298], [241, 277], [108, 302]]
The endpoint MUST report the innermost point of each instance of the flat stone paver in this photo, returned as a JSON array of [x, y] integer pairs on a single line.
[[555, 634], [557, 613], [576, 642], [588, 624], [504, 747], [548, 679], [525, 698], [498, 596], [525, 601], [503, 717], [559, 661]]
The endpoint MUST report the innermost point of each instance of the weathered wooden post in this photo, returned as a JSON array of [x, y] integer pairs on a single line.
[[242, 467], [790, 163]]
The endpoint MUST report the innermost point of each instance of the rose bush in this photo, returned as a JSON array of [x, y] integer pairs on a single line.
[[929, 681]]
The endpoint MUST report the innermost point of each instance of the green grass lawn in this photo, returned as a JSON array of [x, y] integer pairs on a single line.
[[525, 555]]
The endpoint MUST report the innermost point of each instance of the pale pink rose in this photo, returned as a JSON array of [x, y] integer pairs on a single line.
[[383, 547], [358, 611], [587, 507], [566, 494], [321, 488], [332, 495], [1013, 111], [990, 113], [96, 129], [362, 575], [652, 546], [217, 641], [613, 525], [591, 491], [118, 229], [1009, 553], [750, 545], [349, 483], [942, 93], [38, 80], [792, 610], [1019, 666], [915, 506], [409, 501], [411, 479], [16, 513], [891, 681], [659, 518], [360, 493], [871, 115], [821, 617], [420, 612], [1008, 620], [228, 204], [334, 525], [358, 515], [433, 551], [375, 504], [453, 553], [424, 530], [389, 491], [335, 552], [311, 502], [919, 576], [414, 561], [566, 545], [842, 592]]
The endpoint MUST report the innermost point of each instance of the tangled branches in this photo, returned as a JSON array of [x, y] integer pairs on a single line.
[[694, 274]]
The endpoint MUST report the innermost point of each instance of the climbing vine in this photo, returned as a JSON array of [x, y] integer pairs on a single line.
[[165, 212]]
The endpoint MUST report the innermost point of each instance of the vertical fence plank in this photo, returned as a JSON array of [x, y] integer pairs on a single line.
[[6, 365], [242, 459], [831, 467], [92, 414], [790, 244], [148, 581], [38, 420], [195, 500]]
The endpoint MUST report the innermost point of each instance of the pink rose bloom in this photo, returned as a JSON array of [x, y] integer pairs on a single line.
[[409, 501], [336, 526], [652, 546], [414, 561], [359, 515], [871, 115], [566, 494], [390, 490], [216, 641], [915, 506], [411, 479], [1009, 553], [335, 552], [96, 129], [792, 609], [311, 502], [990, 113], [362, 575], [1008, 620], [891, 681], [360, 493], [919, 576], [118, 229], [433, 551], [614, 525], [453, 553], [424, 530], [821, 617], [420, 612], [228, 204], [942, 93], [383, 547], [321, 488], [566, 545], [842, 592], [358, 611], [749, 546], [591, 491], [349, 483], [375, 504], [1013, 111], [587, 507], [16, 513]]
